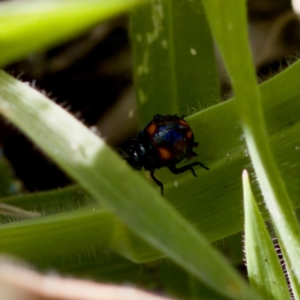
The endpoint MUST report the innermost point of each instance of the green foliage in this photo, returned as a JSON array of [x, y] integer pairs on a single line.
[[27, 26], [114, 209], [248, 102]]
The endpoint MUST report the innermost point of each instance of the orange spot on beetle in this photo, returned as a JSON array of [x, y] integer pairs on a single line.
[[182, 122], [189, 134], [151, 129], [164, 153]]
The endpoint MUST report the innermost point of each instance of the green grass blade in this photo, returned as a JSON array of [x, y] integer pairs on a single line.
[[174, 62], [228, 22], [28, 26], [293, 282], [47, 239], [54, 201], [264, 270], [101, 172], [13, 211]]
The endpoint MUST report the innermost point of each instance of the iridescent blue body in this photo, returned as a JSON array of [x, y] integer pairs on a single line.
[[164, 142]]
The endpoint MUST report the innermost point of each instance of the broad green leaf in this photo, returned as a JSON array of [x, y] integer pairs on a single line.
[[28, 26], [87, 159], [264, 270], [174, 62], [229, 26]]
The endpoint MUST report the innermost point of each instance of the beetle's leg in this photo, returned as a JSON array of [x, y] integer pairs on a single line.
[[157, 181], [180, 170]]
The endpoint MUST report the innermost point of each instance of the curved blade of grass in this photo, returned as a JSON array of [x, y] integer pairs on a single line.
[[53, 202], [13, 211], [174, 63], [228, 23], [264, 270], [89, 161], [27, 26]]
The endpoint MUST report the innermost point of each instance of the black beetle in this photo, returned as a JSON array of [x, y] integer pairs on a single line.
[[164, 142]]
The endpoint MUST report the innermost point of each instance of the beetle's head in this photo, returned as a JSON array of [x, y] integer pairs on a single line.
[[130, 153]]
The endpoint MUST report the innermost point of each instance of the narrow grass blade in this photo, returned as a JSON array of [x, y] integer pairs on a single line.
[[174, 62], [28, 26], [229, 26], [54, 201], [292, 279], [264, 270], [9, 210]]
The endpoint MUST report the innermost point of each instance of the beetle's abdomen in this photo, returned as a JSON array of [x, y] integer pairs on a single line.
[[171, 137]]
